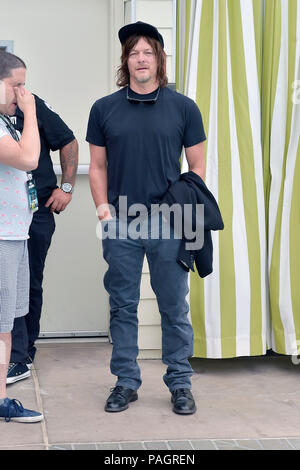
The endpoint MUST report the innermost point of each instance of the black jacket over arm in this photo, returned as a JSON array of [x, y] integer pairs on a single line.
[[191, 189]]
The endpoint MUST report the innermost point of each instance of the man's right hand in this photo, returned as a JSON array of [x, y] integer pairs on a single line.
[[25, 100], [103, 212]]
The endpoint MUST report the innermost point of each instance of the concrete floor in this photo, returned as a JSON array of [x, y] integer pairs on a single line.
[[243, 400]]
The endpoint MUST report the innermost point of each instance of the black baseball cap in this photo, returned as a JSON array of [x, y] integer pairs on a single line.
[[144, 29]]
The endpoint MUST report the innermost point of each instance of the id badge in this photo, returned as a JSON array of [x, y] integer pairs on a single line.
[[32, 195]]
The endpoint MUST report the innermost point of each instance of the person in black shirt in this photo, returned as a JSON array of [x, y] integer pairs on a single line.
[[136, 136], [54, 135]]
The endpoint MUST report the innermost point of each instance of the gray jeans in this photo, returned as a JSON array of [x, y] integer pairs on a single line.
[[169, 281]]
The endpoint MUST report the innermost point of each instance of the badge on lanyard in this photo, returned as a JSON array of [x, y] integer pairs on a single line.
[[32, 193]]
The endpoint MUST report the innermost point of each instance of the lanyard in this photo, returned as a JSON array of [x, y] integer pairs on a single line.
[[14, 135], [10, 127], [31, 188]]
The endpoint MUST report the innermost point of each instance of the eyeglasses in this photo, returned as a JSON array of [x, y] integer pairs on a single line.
[[137, 101]]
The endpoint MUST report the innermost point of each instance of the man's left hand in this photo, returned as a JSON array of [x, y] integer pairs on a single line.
[[58, 200]]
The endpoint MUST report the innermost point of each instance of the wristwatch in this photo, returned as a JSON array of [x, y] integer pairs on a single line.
[[67, 188]]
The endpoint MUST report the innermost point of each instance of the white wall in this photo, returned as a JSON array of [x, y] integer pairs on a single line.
[[65, 45], [75, 301], [72, 50]]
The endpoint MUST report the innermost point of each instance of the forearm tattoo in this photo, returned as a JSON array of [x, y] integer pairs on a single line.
[[69, 162]]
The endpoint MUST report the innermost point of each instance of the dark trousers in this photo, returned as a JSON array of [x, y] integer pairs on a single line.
[[26, 329]]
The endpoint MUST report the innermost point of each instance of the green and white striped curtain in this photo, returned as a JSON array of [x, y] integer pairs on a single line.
[[281, 145], [228, 53]]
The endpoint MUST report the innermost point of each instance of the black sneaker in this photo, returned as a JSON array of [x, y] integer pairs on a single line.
[[17, 371], [183, 401], [12, 410], [120, 398]]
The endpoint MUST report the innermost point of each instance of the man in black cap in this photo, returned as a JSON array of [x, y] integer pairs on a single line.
[[136, 136]]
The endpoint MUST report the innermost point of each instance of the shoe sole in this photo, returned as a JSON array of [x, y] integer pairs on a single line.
[[133, 398], [32, 419], [182, 412], [12, 380]]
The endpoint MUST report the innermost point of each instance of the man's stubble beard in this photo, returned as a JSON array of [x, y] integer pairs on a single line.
[[143, 80]]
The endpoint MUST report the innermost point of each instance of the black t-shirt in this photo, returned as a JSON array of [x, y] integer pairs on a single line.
[[143, 141], [54, 135]]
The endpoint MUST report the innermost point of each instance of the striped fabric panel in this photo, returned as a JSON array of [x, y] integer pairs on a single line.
[[223, 60], [284, 182]]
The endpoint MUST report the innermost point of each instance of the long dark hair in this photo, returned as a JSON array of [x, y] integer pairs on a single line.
[[123, 77]]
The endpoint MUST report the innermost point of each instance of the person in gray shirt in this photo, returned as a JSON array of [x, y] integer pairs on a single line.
[[18, 156]]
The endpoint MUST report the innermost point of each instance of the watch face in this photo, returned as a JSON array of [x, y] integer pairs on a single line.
[[67, 187]]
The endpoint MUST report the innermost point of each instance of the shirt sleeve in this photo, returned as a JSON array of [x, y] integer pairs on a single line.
[[95, 134], [194, 130], [54, 129]]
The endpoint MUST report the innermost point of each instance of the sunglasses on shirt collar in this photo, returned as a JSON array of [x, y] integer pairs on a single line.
[[137, 101]]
